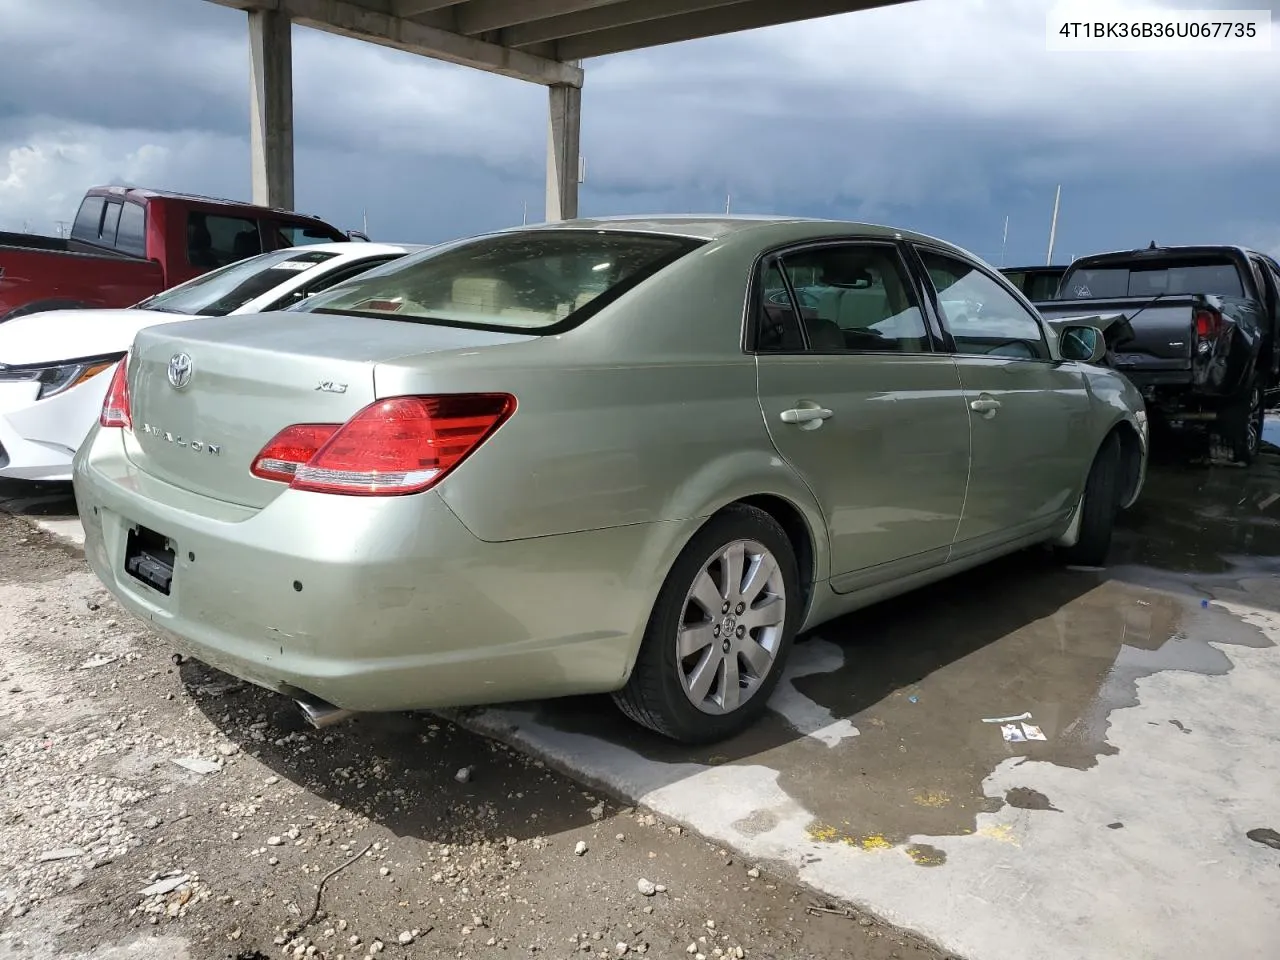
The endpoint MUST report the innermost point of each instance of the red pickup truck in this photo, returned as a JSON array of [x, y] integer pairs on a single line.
[[128, 243]]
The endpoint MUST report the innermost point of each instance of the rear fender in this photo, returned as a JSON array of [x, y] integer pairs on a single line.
[[750, 473]]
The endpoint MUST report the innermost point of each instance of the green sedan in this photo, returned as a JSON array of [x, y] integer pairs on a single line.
[[634, 456]]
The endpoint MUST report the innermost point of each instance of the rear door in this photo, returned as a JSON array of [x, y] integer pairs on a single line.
[[1028, 414], [859, 402]]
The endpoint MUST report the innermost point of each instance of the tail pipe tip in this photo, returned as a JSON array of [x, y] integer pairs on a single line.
[[321, 713]]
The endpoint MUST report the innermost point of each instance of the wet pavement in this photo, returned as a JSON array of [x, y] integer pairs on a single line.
[[874, 778], [1152, 680]]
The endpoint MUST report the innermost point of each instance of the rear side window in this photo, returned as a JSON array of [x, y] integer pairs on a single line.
[[536, 281], [88, 220], [110, 223], [850, 298], [132, 235], [1218, 277], [214, 240]]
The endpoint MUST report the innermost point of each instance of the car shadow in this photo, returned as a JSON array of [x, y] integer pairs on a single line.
[[398, 769]]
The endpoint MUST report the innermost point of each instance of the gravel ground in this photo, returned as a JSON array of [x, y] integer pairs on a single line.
[[149, 809]]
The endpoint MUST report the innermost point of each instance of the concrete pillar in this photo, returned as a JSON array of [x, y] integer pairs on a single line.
[[271, 108], [564, 128]]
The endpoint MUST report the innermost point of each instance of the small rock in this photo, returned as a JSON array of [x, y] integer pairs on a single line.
[[580, 848], [271, 781], [648, 909], [659, 888], [228, 749], [463, 775], [646, 887], [621, 949], [691, 948], [376, 946], [406, 937], [384, 872], [711, 924], [620, 837], [754, 873], [597, 811], [19, 911], [275, 841]]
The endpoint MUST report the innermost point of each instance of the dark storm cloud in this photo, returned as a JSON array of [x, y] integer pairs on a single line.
[[944, 116]]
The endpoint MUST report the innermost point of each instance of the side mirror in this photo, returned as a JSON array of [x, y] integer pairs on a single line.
[[1081, 343]]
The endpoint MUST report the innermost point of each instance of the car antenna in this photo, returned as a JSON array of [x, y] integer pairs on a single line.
[[1152, 246]]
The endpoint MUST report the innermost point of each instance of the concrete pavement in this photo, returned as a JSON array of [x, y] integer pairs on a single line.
[[1123, 834]]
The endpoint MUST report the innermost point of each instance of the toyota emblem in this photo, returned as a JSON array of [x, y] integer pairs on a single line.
[[179, 370]]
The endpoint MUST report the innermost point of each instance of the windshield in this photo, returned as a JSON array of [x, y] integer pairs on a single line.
[[529, 280], [1218, 277], [219, 292]]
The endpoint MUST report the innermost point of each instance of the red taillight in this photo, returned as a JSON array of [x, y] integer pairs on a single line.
[[291, 448], [115, 406], [1208, 324], [395, 446]]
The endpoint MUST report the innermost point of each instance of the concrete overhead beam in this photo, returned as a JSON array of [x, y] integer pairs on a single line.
[[603, 17], [349, 19], [481, 16], [746, 15], [414, 8]]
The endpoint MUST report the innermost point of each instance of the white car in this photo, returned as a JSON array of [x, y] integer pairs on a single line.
[[52, 364]]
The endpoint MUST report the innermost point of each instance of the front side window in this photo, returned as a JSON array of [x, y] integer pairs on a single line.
[[852, 298], [214, 240], [530, 280], [982, 316], [219, 292]]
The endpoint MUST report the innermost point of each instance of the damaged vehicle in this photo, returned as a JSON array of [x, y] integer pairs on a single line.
[[1198, 337], [55, 366], [634, 456]]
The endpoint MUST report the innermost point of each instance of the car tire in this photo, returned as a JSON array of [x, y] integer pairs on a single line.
[[686, 641], [1098, 508], [1241, 423]]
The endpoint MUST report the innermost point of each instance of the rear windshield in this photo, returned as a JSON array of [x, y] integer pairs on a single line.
[[1218, 277], [219, 292], [537, 281]]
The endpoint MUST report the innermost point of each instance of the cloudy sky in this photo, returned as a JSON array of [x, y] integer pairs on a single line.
[[939, 115]]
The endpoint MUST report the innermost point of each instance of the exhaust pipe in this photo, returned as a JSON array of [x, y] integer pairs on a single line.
[[321, 713]]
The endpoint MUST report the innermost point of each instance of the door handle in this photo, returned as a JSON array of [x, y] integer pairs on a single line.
[[987, 406], [809, 416]]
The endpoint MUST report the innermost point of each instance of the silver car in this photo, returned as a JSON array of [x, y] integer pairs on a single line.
[[600, 455]]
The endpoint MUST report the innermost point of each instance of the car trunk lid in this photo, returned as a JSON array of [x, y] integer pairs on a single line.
[[248, 377]]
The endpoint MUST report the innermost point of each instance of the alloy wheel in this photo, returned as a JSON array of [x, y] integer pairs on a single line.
[[732, 627]]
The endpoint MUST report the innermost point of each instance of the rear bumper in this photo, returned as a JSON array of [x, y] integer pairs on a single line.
[[374, 603]]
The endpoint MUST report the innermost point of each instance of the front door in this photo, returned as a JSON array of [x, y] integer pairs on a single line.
[[1028, 414], [857, 400]]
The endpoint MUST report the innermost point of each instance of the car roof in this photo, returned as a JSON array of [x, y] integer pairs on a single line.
[[719, 226], [1154, 252]]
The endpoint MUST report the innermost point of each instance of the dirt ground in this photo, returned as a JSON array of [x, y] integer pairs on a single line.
[[111, 848]]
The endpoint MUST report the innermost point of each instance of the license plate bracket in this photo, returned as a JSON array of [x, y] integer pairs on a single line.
[[148, 558]]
